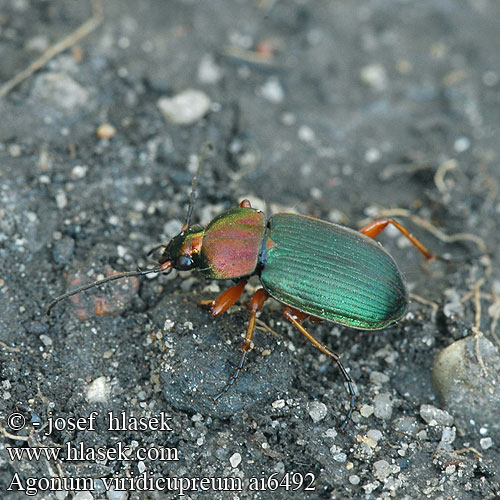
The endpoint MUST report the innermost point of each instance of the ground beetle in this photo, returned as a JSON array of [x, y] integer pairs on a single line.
[[316, 269]]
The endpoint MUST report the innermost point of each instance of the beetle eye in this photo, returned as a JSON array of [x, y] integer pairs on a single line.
[[184, 263]]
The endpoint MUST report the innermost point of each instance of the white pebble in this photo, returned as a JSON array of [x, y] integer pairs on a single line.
[[375, 76], [273, 91], [47, 341], [168, 325], [83, 495], [185, 108], [61, 200], [461, 144], [381, 470], [383, 406], [366, 411], [434, 416], [98, 391], [79, 172], [235, 460], [306, 134], [372, 155], [317, 410], [208, 70], [117, 495], [374, 434], [486, 443]]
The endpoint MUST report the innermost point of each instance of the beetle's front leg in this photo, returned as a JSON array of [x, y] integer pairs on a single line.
[[225, 299], [296, 317], [256, 303]]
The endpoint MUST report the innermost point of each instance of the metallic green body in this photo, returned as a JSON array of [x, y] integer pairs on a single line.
[[331, 272]]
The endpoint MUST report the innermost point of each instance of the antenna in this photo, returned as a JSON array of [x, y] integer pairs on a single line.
[[165, 267], [205, 150]]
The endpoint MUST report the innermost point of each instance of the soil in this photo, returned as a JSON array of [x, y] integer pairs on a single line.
[[345, 111]]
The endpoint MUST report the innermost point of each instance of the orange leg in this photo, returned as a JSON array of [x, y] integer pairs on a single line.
[[296, 318], [256, 303], [377, 226], [225, 299]]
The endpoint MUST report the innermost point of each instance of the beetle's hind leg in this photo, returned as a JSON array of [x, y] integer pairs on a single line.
[[296, 317], [256, 303], [377, 226]]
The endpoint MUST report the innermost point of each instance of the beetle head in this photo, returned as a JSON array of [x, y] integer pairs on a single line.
[[183, 250]]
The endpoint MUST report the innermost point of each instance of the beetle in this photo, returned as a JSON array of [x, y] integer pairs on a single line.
[[318, 271]]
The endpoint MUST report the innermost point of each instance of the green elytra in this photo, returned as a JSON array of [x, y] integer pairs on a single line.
[[333, 273]]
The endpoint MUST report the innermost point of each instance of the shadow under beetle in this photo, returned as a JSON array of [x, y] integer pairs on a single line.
[[316, 269]]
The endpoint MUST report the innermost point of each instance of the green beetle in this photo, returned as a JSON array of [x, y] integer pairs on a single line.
[[316, 269]]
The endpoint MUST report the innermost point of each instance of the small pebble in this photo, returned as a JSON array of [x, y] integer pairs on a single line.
[[383, 406], [117, 495], [98, 391], [15, 150], [378, 378], [168, 325], [450, 469], [486, 443], [185, 108], [208, 70], [317, 410], [368, 441], [366, 411], [374, 434], [372, 155], [434, 416], [339, 457], [83, 495], [331, 433], [46, 340], [273, 91], [408, 425], [61, 200], [461, 144], [235, 460], [79, 172], [306, 134], [381, 470], [375, 76], [279, 403], [60, 91], [106, 131], [447, 437], [354, 479]]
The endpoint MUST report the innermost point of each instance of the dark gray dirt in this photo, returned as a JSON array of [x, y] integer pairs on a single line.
[[338, 110]]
